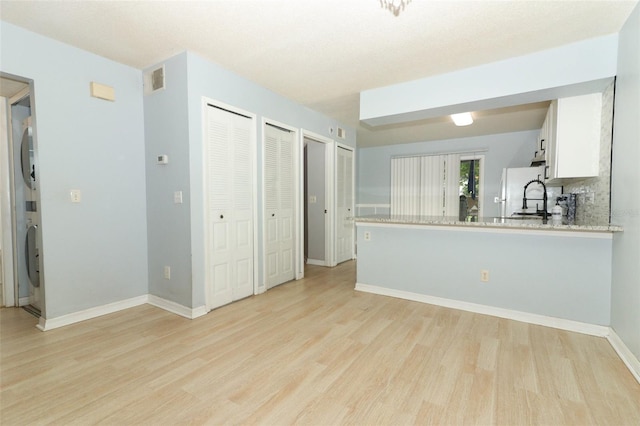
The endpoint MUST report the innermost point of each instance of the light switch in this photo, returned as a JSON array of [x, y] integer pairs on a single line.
[[177, 197], [76, 195], [313, 199]]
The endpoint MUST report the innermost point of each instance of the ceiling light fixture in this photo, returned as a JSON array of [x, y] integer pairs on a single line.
[[394, 6], [462, 119]]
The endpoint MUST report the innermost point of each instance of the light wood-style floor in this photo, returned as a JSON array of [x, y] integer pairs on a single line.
[[310, 352]]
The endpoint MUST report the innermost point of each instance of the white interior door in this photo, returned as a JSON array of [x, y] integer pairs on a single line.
[[229, 186], [279, 201], [344, 204]]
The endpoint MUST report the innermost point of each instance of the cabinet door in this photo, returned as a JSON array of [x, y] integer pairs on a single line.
[[574, 144]]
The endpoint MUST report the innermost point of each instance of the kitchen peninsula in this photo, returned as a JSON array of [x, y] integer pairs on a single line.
[[520, 269]]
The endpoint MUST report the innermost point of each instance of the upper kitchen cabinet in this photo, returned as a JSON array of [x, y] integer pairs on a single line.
[[570, 138]]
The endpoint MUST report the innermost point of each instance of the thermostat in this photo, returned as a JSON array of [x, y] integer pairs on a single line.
[[163, 159]]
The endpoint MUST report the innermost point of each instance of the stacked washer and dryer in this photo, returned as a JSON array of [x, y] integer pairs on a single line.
[[31, 249]]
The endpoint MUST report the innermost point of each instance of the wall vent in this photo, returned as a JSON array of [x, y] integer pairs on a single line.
[[342, 134], [154, 80]]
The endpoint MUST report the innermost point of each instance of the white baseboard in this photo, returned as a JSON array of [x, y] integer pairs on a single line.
[[24, 301], [72, 318], [560, 323], [176, 308], [315, 262], [625, 354]]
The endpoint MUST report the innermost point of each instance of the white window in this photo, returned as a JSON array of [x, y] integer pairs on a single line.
[[432, 185]]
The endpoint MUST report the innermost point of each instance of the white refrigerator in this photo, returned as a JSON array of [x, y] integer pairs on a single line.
[[512, 191]]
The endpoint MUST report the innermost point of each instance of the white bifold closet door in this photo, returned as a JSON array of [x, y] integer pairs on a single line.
[[344, 204], [229, 205], [278, 205]]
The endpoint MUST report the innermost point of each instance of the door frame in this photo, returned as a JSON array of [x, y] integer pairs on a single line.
[[339, 145], [6, 204], [207, 278], [329, 237], [297, 188]]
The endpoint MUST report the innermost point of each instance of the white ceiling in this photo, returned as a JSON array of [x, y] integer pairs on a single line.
[[323, 53]]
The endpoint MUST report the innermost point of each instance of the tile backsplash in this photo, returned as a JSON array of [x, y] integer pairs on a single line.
[[593, 194]]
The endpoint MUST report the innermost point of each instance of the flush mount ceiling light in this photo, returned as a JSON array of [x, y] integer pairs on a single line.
[[394, 6], [462, 119]]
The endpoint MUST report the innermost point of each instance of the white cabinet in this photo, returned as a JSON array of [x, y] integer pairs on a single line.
[[573, 138]]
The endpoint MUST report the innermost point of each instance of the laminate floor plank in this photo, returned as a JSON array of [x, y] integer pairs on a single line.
[[310, 352]]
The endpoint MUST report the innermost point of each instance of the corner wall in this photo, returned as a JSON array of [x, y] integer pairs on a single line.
[[94, 252], [625, 180]]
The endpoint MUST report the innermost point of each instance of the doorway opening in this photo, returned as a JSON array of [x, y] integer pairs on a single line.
[[318, 203], [20, 232]]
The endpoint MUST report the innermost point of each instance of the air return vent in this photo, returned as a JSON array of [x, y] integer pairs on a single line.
[[154, 80]]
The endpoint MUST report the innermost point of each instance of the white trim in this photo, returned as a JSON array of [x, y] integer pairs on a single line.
[[24, 301], [74, 317], [176, 308], [629, 359], [559, 323], [316, 262], [497, 228], [97, 311]]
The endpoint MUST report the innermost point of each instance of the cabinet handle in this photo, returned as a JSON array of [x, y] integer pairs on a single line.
[[542, 147], [221, 216], [273, 214], [546, 175]]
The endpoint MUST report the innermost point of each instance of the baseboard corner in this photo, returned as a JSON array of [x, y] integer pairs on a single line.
[[625, 354], [176, 308]]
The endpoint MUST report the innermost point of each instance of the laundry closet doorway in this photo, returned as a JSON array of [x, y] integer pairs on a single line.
[[230, 199]]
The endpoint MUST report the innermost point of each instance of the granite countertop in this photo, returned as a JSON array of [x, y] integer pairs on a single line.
[[490, 222]]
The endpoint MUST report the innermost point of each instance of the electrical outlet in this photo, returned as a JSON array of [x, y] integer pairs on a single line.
[[367, 236], [167, 272], [76, 195], [484, 276]]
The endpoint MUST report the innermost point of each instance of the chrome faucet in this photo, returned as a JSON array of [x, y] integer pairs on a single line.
[[544, 199]]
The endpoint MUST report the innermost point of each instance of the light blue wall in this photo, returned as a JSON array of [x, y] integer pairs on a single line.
[[167, 133], [556, 276], [210, 80], [174, 123], [95, 252], [625, 187], [502, 150], [574, 69]]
